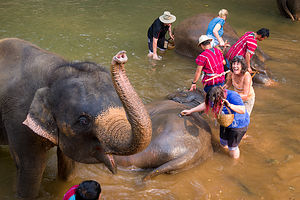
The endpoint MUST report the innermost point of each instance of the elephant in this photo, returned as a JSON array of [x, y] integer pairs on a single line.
[[189, 30], [46, 101], [178, 142], [89, 114], [289, 8]]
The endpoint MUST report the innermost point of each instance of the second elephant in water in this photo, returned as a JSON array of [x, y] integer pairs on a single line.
[[177, 142], [186, 39]]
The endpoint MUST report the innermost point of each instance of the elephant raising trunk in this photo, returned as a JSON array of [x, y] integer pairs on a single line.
[[115, 121]]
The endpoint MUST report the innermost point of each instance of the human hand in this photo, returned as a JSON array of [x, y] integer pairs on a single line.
[[226, 103], [185, 112], [172, 37], [155, 57], [250, 70], [193, 87]]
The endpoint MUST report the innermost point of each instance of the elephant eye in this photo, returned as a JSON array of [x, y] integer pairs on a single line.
[[83, 121]]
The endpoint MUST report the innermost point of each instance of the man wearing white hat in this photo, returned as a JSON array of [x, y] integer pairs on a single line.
[[157, 32], [211, 62]]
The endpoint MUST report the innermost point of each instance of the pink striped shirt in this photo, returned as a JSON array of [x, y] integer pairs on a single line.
[[246, 43], [70, 192], [212, 62]]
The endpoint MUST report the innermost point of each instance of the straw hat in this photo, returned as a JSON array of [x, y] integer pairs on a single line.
[[203, 38], [167, 18]]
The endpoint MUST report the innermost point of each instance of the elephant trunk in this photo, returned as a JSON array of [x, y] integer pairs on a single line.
[[129, 132]]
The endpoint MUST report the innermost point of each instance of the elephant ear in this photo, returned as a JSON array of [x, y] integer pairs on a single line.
[[40, 118]]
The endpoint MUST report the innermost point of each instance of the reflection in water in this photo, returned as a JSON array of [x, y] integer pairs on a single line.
[[96, 30]]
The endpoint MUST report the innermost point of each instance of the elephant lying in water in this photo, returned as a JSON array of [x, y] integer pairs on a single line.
[[88, 114], [186, 38]]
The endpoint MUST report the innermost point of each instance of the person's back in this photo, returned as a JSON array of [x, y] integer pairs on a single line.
[[87, 190]]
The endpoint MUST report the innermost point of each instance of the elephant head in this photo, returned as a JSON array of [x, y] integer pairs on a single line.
[[89, 116]]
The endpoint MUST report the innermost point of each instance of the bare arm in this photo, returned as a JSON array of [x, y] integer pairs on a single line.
[[154, 45], [246, 86], [196, 77], [247, 59], [236, 108], [228, 81], [216, 34], [198, 108], [170, 32]]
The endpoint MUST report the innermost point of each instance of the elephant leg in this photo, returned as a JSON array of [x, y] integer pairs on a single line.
[[172, 165], [286, 9], [65, 165], [30, 168]]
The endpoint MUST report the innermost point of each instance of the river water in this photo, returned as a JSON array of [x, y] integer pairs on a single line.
[[95, 30]]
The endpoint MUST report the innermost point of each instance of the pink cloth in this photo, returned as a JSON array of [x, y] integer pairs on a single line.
[[70, 192], [246, 43], [212, 62]]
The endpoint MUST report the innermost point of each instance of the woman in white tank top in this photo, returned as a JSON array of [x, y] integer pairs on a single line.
[[241, 81]]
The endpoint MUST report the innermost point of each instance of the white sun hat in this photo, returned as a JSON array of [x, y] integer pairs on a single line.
[[167, 18], [203, 38]]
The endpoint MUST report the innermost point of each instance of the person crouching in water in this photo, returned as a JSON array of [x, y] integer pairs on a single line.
[[230, 136], [241, 80], [86, 190]]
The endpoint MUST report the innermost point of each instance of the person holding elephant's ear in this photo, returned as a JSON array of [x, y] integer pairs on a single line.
[[211, 62], [230, 136], [247, 45], [157, 32], [215, 29]]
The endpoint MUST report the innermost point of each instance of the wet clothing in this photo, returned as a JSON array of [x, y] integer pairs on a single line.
[[232, 137], [233, 134], [240, 120], [70, 194], [212, 62], [247, 43], [211, 27], [249, 102], [157, 30]]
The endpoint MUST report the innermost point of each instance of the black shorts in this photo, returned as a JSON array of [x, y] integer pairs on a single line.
[[160, 44], [232, 136]]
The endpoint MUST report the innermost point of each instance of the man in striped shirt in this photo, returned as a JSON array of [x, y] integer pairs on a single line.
[[246, 46], [211, 62]]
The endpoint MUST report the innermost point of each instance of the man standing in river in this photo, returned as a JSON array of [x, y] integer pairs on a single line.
[[157, 32], [247, 45]]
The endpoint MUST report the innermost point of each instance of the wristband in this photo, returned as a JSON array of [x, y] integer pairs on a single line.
[[193, 83]]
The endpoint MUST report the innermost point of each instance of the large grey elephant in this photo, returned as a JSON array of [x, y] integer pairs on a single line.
[[289, 8], [88, 113], [47, 101], [189, 30]]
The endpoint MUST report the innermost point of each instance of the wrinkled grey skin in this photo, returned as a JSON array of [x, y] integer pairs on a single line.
[[289, 8], [189, 30], [188, 98], [46, 102], [178, 142]]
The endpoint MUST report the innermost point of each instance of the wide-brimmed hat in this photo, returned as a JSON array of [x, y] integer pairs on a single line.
[[167, 18], [203, 38]]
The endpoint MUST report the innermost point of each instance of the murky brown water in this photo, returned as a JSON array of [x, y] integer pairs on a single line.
[[96, 30]]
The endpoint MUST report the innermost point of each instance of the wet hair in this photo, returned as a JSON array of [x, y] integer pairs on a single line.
[[204, 43], [263, 32], [88, 190], [223, 12], [239, 59], [214, 98]]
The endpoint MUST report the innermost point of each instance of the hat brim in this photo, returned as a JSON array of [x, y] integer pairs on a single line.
[[173, 19], [209, 39]]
